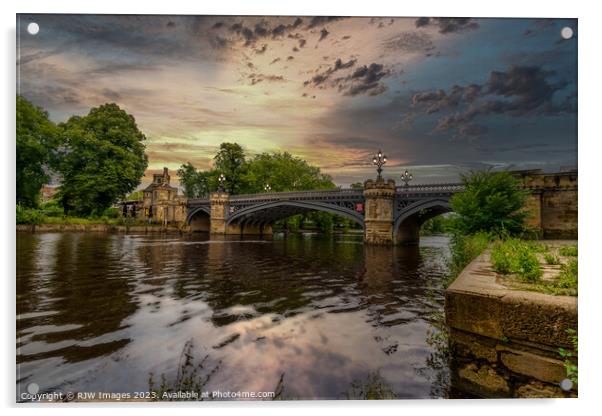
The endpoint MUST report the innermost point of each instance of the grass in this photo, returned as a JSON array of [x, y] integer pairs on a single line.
[[521, 260], [568, 251], [465, 248], [514, 256], [551, 259]]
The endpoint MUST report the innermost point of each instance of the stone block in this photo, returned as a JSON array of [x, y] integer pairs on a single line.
[[525, 363], [464, 344], [483, 381]]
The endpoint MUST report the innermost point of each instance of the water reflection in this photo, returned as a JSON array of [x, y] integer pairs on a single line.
[[99, 312]]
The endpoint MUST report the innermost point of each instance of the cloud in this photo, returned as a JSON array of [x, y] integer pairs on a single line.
[[321, 20], [364, 80], [447, 25], [410, 42], [323, 34], [320, 78], [257, 78], [518, 91]]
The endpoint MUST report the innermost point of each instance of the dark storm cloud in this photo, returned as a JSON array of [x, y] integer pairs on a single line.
[[323, 76], [447, 25], [321, 20], [435, 101], [518, 91], [364, 80]]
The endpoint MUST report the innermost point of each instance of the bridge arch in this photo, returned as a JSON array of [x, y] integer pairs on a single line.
[[406, 226], [199, 219], [269, 212]]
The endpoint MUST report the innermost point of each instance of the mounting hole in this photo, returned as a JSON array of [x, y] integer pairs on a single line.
[[566, 384], [566, 32], [33, 28]]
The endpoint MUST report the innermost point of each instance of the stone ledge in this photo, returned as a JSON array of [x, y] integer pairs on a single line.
[[477, 303], [504, 342]]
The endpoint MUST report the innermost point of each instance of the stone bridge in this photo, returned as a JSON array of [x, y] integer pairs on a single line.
[[387, 213]]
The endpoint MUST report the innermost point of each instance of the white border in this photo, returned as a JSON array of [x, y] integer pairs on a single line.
[[589, 35]]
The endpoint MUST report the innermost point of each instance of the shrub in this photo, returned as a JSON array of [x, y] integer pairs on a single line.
[[567, 278], [529, 268], [568, 251], [551, 259], [28, 215], [492, 202], [516, 256], [52, 209]]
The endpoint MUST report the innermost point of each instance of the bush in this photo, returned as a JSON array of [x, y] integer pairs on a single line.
[[518, 257], [551, 259], [529, 268], [28, 215], [491, 202], [568, 275], [111, 213], [568, 251], [52, 209]]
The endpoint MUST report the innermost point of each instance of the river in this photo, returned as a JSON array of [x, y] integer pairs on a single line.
[[326, 315]]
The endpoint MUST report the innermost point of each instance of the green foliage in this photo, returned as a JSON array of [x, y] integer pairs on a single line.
[[568, 251], [230, 160], [357, 185], [465, 248], [491, 202], [194, 182], [438, 225], [26, 215], [283, 172], [37, 140], [568, 276], [571, 357], [514, 256], [551, 259], [103, 160], [52, 209], [135, 196]]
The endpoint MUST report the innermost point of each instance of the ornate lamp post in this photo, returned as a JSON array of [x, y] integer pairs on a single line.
[[267, 187], [379, 160], [406, 177], [221, 179]]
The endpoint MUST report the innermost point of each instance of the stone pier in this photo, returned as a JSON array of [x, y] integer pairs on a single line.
[[378, 223]]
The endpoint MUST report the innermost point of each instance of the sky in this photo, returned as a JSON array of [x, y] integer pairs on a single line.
[[439, 96]]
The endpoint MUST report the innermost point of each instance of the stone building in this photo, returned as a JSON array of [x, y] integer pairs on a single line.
[[160, 202]]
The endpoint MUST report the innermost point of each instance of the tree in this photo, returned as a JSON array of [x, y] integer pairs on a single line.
[[230, 160], [196, 183], [36, 143], [357, 185], [284, 172], [491, 202], [103, 160]]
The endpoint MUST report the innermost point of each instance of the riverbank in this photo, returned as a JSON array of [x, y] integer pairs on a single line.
[[98, 227], [506, 342]]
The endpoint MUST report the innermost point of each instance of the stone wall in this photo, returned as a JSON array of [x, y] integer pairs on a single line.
[[553, 203], [504, 342]]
